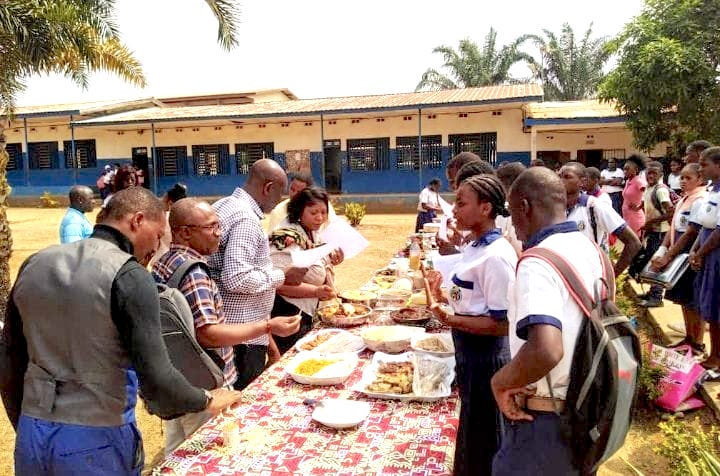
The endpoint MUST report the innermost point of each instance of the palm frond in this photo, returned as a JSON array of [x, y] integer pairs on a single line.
[[226, 12], [434, 80]]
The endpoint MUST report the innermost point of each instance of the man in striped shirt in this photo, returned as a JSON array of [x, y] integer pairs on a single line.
[[196, 234]]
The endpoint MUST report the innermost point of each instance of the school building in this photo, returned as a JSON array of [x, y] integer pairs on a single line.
[[384, 144]]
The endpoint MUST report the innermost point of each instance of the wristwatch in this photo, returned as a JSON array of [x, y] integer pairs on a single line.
[[209, 397]]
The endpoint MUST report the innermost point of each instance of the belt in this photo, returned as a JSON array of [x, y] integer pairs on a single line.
[[542, 404]]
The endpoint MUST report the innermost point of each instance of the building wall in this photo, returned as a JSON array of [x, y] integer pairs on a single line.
[[303, 134]]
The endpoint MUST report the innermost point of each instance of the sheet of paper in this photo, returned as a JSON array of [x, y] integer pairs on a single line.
[[339, 234], [442, 232], [447, 208], [445, 265], [306, 258]]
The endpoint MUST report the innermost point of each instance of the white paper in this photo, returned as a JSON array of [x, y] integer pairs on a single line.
[[306, 258], [339, 234], [442, 232], [447, 208], [445, 265]]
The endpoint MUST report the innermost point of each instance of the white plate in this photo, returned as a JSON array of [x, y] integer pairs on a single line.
[[333, 374], [347, 342], [446, 338], [396, 338], [341, 413]]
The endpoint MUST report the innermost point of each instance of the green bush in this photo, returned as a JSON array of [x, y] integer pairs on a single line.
[[649, 379], [47, 201], [689, 448], [354, 212]]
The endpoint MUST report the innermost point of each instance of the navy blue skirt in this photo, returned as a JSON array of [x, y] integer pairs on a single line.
[[422, 218], [481, 423], [707, 283], [683, 293]]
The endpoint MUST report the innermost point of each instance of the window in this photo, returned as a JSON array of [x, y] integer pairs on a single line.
[[171, 160], [483, 144], [368, 154], [248, 154], [407, 152], [618, 154], [84, 152], [211, 159], [43, 155], [15, 153]]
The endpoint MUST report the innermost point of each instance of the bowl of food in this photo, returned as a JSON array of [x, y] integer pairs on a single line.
[[359, 296], [314, 368], [385, 282], [344, 314], [440, 345], [390, 339], [330, 341], [413, 316]]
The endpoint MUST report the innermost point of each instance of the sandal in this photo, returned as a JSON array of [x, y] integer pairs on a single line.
[[697, 348]]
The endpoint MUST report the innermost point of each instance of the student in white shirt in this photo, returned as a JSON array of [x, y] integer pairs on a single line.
[[595, 219], [428, 204], [612, 180], [544, 321], [591, 185], [673, 179], [479, 301]]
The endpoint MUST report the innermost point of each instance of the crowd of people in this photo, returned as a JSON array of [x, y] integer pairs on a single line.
[[73, 362]]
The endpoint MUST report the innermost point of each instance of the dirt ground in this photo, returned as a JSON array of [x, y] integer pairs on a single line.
[[34, 229]]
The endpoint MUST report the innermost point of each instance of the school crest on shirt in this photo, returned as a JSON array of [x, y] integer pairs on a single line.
[[455, 293], [683, 220], [581, 225]]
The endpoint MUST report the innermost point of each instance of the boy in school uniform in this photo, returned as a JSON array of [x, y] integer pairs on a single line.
[[544, 322]]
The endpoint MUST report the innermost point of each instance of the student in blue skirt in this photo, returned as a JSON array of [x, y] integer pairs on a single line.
[[705, 257], [478, 297]]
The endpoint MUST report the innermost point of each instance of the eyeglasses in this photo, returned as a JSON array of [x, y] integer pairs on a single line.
[[213, 226]]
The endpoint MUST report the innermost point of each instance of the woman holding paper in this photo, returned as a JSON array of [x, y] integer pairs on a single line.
[[478, 297], [429, 204], [307, 212]]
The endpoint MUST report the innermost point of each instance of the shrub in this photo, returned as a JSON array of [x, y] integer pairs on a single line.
[[354, 212], [47, 201], [649, 379], [689, 448]]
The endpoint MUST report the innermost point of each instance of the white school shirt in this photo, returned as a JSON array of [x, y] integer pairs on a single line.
[[608, 221], [673, 181], [481, 278], [607, 175], [428, 197], [708, 212], [681, 219], [539, 296]]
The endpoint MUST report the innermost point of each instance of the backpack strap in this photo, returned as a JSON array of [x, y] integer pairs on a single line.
[[567, 273], [176, 278]]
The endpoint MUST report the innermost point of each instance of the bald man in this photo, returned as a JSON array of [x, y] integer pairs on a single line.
[[75, 226], [543, 326], [242, 267], [195, 235]]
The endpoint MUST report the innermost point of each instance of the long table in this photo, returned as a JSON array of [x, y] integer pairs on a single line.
[[279, 437]]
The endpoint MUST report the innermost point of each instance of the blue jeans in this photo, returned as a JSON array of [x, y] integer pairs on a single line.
[[59, 449]]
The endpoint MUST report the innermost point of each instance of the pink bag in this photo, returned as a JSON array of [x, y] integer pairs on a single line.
[[680, 382]]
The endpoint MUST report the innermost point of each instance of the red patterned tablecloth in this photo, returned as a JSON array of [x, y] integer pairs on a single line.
[[279, 437]]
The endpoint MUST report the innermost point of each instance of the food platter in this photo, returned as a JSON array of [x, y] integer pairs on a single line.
[[440, 345], [390, 339], [330, 341], [407, 377], [314, 368], [359, 296], [413, 316], [344, 314]]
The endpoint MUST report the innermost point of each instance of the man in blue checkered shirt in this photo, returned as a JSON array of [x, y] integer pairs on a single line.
[[242, 268]]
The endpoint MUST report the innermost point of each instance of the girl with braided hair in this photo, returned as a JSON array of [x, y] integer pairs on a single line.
[[479, 302]]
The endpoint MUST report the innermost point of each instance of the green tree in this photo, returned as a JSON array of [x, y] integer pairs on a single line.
[[73, 38], [569, 69], [472, 66], [667, 79]]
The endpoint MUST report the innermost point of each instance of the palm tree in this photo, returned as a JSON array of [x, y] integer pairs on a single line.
[[569, 69], [472, 66], [73, 38]]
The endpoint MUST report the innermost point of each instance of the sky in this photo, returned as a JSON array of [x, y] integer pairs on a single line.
[[315, 48]]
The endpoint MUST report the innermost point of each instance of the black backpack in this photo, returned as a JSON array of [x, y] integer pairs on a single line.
[[604, 370], [200, 367]]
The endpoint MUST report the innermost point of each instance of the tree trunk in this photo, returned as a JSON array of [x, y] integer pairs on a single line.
[[5, 235]]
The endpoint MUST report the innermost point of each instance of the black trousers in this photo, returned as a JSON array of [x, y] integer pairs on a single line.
[[617, 200], [250, 361], [281, 307]]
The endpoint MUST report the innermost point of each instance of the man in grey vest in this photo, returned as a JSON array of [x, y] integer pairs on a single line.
[[82, 334]]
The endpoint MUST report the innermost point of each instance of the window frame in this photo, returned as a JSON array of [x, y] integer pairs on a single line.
[[376, 149], [407, 152], [89, 146], [180, 159], [222, 164], [34, 158], [245, 151], [14, 151], [487, 149]]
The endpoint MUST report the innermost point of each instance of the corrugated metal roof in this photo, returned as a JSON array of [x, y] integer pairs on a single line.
[[570, 109], [350, 104], [80, 108]]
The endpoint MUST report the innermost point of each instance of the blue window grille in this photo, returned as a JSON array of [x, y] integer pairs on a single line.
[[85, 155], [483, 144], [368, 154], [43, 155], [407, 152], [247, 154], [15, 153], [211, 159], [171, 160]]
